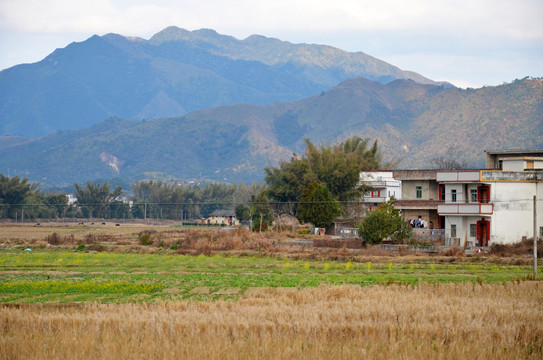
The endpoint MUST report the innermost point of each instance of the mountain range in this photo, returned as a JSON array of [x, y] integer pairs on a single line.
[[173, 73], [413, 122]]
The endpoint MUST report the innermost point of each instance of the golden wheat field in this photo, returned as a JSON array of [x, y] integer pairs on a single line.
[[437, 321]]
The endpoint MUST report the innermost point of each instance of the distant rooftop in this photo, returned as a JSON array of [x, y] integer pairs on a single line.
[[514, 151]]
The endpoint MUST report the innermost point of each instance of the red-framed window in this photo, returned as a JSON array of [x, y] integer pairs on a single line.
[[442, 192]]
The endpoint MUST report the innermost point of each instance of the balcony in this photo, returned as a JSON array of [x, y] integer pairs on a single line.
[[465, 209], [374, 199]]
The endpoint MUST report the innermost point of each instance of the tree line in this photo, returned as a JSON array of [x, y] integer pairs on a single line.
[[20, 199], [316, 187]]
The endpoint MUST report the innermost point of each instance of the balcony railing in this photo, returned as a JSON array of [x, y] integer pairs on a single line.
[[374, 199], [465, 209]]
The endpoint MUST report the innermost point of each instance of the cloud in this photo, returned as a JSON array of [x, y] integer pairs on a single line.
[[417, 34], [519, 19]]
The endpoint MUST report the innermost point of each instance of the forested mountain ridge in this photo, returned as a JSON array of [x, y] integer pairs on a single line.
[[174, 73], [412, 122]]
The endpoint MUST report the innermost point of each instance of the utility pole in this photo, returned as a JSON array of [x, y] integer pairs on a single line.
[[535, 237]]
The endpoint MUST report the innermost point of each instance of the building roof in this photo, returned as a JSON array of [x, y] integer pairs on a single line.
[[514, 151], [417, 174], [223, 213]]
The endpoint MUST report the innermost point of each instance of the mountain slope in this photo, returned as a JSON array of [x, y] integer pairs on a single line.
[[413, 122], [173, 73]]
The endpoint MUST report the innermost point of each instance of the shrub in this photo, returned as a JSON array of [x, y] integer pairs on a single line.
[[53, 239], [385, 222], [146, 239], [90, 239], [522, 248]]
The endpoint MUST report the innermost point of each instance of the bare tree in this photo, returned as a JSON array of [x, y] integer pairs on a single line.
[[449, 160]]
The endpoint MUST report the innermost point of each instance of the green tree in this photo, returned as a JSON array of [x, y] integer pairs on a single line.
[[318, 206], [335, 167], [57, 204], [243, 213], [119, 210], [95, 200], [384, 222], [262, 213], [13, 195]]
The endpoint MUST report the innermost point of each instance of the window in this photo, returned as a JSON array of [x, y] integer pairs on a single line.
[[453, 195], [541, 231], [473, 230], [453, 230], [473, 195], [419, 192], [442, 192]]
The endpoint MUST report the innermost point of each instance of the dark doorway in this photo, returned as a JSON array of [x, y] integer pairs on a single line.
[[483, 232], [483, 194]]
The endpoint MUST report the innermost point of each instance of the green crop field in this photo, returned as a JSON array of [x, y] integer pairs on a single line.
[[53, 276]]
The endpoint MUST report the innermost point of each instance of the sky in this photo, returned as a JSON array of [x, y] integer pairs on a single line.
[[470, 43]]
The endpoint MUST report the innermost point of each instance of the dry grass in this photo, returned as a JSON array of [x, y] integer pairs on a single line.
[[455, 252], [164, 238], [452, 321], [523, 248]]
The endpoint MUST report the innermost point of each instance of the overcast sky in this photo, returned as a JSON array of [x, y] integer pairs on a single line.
[[470, 43]]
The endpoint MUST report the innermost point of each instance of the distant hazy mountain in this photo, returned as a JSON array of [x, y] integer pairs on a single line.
[[173, 73], [412, 121]]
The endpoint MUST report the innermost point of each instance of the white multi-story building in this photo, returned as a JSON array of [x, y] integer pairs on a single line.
[[383, 187], [496, 205]]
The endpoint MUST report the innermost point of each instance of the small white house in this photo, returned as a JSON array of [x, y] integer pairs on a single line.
[[71, 199], [383, 185], [222, 217], [484, 207]]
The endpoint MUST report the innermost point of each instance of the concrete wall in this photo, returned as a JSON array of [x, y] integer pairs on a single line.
[[460, 193], [462, 229], [513, 211], [425, 214], [429, 189], [513, 165]]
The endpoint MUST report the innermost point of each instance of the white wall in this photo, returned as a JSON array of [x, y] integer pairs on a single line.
[[459, 193], [513, 211], [382, 181], [462, 228], [513, 165]]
